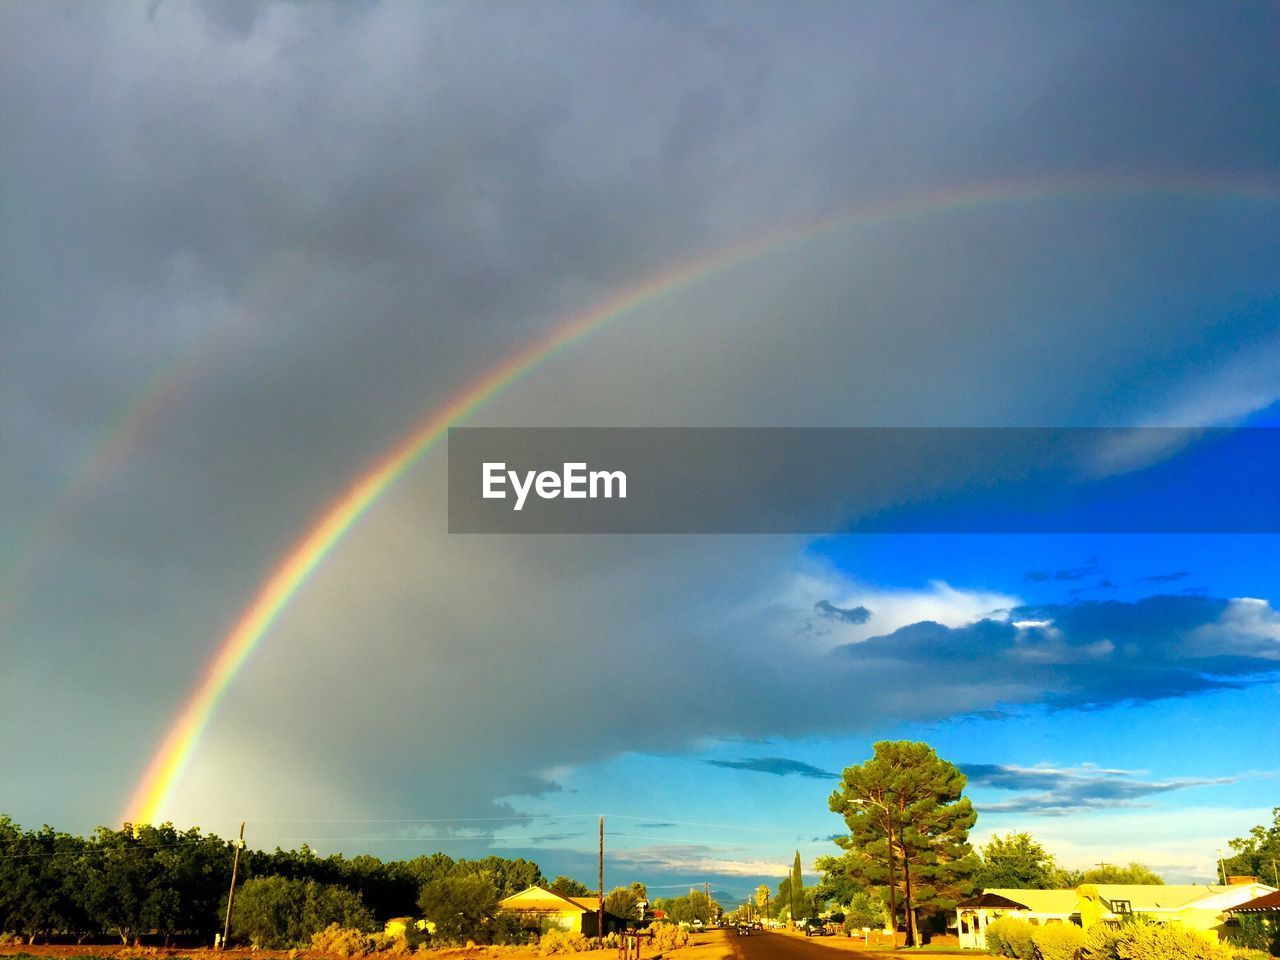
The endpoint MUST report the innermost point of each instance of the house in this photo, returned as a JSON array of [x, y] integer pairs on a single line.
[[542, 909], [399, 926], [1202, 907]]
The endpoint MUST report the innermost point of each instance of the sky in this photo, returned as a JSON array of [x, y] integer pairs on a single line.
[[248, 247]]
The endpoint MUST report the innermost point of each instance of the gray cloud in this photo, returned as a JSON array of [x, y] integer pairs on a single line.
[[1069, 574], [288, 231], [830, 611], [1166, 577], [778, 766], [1060, 792]]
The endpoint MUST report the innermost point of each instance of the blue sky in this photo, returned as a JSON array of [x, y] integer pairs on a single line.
[[316, 223]]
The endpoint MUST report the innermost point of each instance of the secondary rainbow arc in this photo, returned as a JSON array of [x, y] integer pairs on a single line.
[[175, 751]]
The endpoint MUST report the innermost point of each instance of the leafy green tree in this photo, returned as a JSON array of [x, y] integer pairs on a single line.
[[278, 912], [567, 887], [121, 880], [840, 878], [1110, 873], [641, 891], [864, 911], [909, 827], [507, 876], [762, 900], [1258, 854], [1016, 860], [694, 906], [622, 903], [460, 906]]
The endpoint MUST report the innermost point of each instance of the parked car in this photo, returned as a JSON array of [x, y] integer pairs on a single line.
[[815, 928]]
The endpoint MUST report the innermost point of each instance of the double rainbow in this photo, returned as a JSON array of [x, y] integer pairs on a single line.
[[175, 752]]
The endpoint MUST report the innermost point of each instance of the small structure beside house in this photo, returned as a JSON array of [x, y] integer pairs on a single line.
[[1203, 907], [1265, 907], [542, 909]]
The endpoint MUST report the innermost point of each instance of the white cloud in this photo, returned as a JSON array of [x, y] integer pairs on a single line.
[[890, 608]]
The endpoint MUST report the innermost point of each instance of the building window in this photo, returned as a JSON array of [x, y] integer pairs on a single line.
[[1121, 906]]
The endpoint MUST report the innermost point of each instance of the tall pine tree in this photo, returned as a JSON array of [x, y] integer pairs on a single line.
[[909, 827]]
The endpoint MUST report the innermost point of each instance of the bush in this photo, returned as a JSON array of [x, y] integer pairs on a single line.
[[392, 944], [508, 930], [668, 936], [341, 941], [1008, 937], [1164, 942], [460, 907], [1102, 942], [1061, 941], [864, 911], [561, 941]]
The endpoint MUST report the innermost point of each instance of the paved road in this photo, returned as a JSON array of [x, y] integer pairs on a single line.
[[781, 946]]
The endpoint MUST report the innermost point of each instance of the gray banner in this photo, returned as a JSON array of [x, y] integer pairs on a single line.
[[883, 480]]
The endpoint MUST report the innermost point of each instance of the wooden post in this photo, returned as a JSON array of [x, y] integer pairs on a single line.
[[600, 902], [231, 895]]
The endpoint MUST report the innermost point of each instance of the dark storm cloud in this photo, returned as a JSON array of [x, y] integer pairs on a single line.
[[1093, 654], [299, 227], [828, 610], [778, 766], [1054, 792]]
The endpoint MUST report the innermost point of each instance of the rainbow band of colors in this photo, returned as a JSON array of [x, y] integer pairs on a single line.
[[175, 752]]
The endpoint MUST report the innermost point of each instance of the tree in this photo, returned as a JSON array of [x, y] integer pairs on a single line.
[[1016, 860], [1258, 854], [865, 912], [622, 903], [459, 906], [795, 891], [840, 878], [762, 900], [695, 906], [278, 912], [1110, 873], [909, 823], [569, 888], [641, 891]]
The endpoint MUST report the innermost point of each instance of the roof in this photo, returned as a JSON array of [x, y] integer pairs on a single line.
[[1267, 903], [540, 898], [1061, 902], [991, 901], [1142, 897]]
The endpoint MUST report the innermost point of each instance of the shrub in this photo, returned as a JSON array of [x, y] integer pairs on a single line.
[[668, 936], [1102, 942], [560, 941], [460, 907], [1008, 937], [507, 929], [1246, 953], [341, 941], [1164, 942], [1061, 941], [864, 911]]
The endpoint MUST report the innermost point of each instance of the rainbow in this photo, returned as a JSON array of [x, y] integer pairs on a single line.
[[171, 759]]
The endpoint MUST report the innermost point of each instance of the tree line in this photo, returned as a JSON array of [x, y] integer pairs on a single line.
[[172, 884]]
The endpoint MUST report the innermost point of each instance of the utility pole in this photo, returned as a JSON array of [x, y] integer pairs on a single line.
[[707, 889], [600, 903], [231, 894]]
